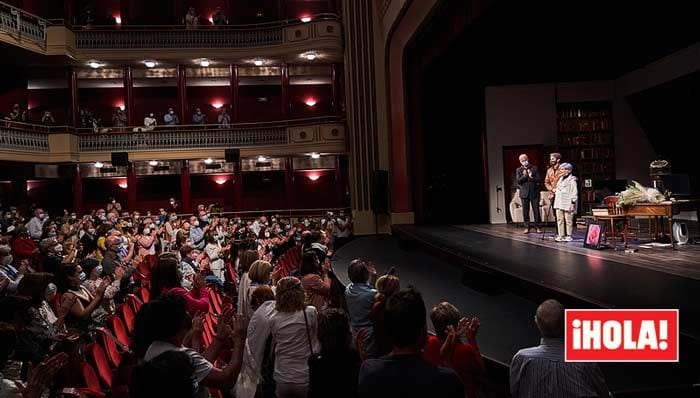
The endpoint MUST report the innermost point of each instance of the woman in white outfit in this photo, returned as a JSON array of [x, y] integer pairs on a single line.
[[565, 200], [216, 262]]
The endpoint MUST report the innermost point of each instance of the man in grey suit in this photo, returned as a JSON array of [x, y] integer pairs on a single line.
[[528, 178]]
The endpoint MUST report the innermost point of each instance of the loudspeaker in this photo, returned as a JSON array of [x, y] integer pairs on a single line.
[[120, 159], [379, 195], [233, 155]]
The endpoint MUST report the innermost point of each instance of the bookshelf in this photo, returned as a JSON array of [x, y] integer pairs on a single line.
[[585, 139]]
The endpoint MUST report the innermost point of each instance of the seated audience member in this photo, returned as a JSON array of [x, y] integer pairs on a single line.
[[93, 271], [541, 371], [293, 326], [170, 374], [404, 373], [191, 19], [224, 119], [336, 373], [166, 324], [47, 119], [166, 279], [219, 19], [44, 321], [170, 118], [23, 247], [387, 285], [454, 345], [199, 117], [359, 296], [315, 280], [10, 273], [79, 308]]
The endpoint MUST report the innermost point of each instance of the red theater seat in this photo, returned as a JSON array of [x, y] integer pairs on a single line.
[[109, 343], [104, 371], [128, 315], [116, 325]]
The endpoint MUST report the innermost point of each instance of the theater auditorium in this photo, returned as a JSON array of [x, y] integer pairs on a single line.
[[349, 198]]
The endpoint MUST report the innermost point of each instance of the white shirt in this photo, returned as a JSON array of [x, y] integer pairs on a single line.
[[35, 227], [202, 367], [149, 121], [289, 336]]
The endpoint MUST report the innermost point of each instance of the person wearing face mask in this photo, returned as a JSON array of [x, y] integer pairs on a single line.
[[93, 280], [199, 117], [342, 231], [197, 233], [215, 253], [89, 239], [114, 207], [36, 224], [77, 303], [565, 200], [149, 122], [528, 178], [171, 118], [10, 276], [146, 241], [50, 256]]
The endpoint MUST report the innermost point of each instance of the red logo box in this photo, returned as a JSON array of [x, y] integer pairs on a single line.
[[648, 335]]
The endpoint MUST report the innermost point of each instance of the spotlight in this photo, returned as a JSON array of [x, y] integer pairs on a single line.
[[123, 185], [311, 56], [94, 64], [217, 105], [153, 162], [262, 159], [208, 161], [204, 62], [258, 62], [118, 20], [315, 155], [220, 181], [99, 165], [150, 64], [305, 19]]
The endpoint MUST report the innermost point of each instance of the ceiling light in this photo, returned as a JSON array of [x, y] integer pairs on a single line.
[[217, 105], [258, 62], [305, 19], [315, 155], [118, 20], [150, 64], [211, 20], [262, 159], [208, 161], [220, 181], [204, 62], [94, 64], [310, 102], [99, 164], [153, 162], [123, 185], [311, 56]]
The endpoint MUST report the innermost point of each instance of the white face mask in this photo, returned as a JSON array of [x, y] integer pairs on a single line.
[[172, 112], [41, 216], [146, 231], [267, 234], [58, 248], [187, 284]]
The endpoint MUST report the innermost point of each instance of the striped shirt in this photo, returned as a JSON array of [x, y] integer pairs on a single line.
[[541, 372]]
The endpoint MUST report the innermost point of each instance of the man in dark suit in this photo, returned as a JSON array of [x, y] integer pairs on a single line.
[[528, 178]]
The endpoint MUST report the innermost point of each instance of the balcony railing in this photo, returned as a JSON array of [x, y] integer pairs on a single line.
[[185, 137], [177, 36], [25, 140], [22, 24]]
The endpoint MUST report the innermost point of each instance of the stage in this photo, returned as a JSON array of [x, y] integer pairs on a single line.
[[536, 267]]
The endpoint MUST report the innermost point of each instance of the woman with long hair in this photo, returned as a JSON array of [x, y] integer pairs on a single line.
[[166, 278]]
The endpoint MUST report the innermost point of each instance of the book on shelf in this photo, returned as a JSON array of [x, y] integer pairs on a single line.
[[600, 211]]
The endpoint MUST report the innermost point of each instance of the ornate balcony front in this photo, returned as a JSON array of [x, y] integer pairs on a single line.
[[22, 28]]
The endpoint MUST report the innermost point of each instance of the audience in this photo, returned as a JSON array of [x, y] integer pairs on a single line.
[[387, 285], [542, 372], [224, 119], [219, 19], [404, 373], [199, 117], [315, 280], [170, 118], [359, 296], [166, 279]]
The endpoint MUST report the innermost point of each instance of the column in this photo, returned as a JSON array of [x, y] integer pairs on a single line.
[[129, 95], [289, 182], [74, 107], [335, 89], [233, 85], [77, 191], [131, 187], [282, 10], [237, 187], [181, 93], [185, 187], [285, 91]]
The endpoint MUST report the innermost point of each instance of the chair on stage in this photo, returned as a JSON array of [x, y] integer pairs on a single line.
[[615, 215]]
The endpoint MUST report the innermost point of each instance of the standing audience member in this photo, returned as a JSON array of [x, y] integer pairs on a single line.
[[166, 279], [119, 118], [542, 372], [336, 373], [247, 259], [454, 346], [404, 373], [191, 19], [224, 119], [315, 280], [387, 286], [170, 118], [47, 119], [149, 122], [36, 224], [219, 19], [359, 296], [199, 117]]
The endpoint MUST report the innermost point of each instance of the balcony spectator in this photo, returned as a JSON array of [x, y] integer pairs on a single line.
[[17, 115], [47, 119], [191, 19], [224, 119], [171, 118], [199, 117], [149, 124], [219, 19], [542, 372], [118, 118], [404, 373], [454, 345]]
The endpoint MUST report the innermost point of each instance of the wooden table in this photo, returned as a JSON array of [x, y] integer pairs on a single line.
[[662, 210]]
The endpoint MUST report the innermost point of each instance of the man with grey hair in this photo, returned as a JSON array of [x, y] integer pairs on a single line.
[[542, 372], [565, 199], [528, 178]]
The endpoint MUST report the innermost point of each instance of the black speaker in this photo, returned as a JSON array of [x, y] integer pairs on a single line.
[[120, 159], [380, 192], [233, 155]]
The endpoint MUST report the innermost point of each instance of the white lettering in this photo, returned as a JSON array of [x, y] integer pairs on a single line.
[[612, 335], [591, 335], [629, 343], [647, 336], [577, 333]]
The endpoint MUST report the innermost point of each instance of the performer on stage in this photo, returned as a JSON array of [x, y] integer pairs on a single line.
[[552, 177], [565, 201], [528, 178]]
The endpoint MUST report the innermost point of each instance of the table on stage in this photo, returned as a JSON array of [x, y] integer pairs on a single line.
[[658, 211]]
